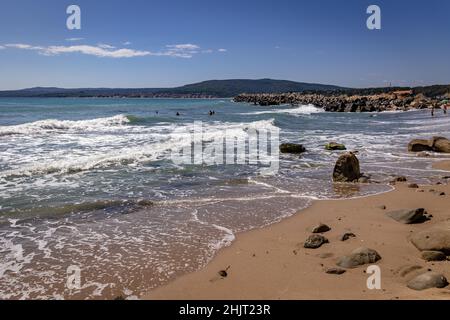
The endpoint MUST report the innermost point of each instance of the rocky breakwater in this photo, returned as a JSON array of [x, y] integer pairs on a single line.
[[391, 101]]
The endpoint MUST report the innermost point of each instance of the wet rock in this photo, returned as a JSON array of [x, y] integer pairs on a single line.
[[428, 280], [335, 146], [364, 180], [408, 216], [292, 148], [336, 271], [346, 168], [347, 236], [433, 256], [418, 145], [413, 186], [433, 239], [321, 228], [399, 179], [441, 144], [359, 257], [315, 241]]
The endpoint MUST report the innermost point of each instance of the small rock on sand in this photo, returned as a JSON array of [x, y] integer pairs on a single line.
[[433, 256], [347, 236], [337, 271], [428, 280], [359, 257], [408, 216], [321, 228], [315, 241], [413, 186]]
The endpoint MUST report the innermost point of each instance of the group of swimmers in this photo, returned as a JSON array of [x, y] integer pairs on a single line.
[[211, 113]]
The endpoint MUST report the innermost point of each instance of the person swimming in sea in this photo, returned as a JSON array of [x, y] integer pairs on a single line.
[[178, 114]]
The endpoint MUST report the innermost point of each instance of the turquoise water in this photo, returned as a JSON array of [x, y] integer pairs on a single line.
[[91, 183]]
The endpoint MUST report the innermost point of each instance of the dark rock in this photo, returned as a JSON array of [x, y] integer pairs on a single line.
[[433, 256], [428, 280], [359, 257], [408, 216], [292, 148], [315, 241], [346, 168], [347, 236], [413, 186], [418, 145], [321, 228], [337, 271], [335, 146], [400, 179], [433, 239]]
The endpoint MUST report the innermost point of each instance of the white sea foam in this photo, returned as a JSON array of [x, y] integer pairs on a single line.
[[52, 125], [101, 151], [301, 110]]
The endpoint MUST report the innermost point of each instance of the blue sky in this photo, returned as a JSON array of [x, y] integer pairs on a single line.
[[153, 43]]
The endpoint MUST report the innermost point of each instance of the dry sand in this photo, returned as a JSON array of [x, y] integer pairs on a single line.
[[271, 263]]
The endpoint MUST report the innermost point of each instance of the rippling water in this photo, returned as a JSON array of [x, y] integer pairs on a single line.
[[90, 183]]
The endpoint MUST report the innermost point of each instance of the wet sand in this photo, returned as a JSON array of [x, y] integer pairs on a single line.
[[271, 263]]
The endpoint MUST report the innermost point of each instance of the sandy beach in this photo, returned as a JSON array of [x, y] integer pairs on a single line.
[[271, 263]]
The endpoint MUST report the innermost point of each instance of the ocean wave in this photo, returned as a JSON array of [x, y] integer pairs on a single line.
[[53, 125], [301, 110], [174, 140]]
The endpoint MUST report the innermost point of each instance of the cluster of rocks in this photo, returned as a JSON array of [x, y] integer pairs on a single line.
[[435, 144], [395, 100]]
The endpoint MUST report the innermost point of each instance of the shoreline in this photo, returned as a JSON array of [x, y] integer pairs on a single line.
[[270, 263]]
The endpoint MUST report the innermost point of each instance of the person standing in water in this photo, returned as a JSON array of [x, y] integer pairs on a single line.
[[444, 106]]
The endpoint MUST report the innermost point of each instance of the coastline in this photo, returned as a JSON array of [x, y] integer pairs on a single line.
[[271, 263]]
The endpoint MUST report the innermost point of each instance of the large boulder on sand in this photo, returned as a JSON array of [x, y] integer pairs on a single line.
[[408, 216], [359, 257], [433, 239], [428, 280], [347, 168], [291, 148]]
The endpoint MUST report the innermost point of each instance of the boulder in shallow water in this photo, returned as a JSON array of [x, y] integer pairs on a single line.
[[433, 239], [428, 280], [441, 144], [359, 257], [347, 168], [292, 148], [335, 146], [408, 216], [419, 145]]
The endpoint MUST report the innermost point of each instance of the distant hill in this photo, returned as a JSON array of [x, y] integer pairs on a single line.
[[212, 88], [217, 89]]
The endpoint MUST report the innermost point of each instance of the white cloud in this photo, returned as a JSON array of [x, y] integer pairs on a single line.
[[106, 46], [187, 50], [2, 47], [222, 50], [74, 39], [126, 43], [95, 51]]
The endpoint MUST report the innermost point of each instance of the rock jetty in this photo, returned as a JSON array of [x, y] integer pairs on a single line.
[[395, 100]]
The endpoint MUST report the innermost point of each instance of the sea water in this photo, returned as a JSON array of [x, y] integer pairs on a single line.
[[90, 183]]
